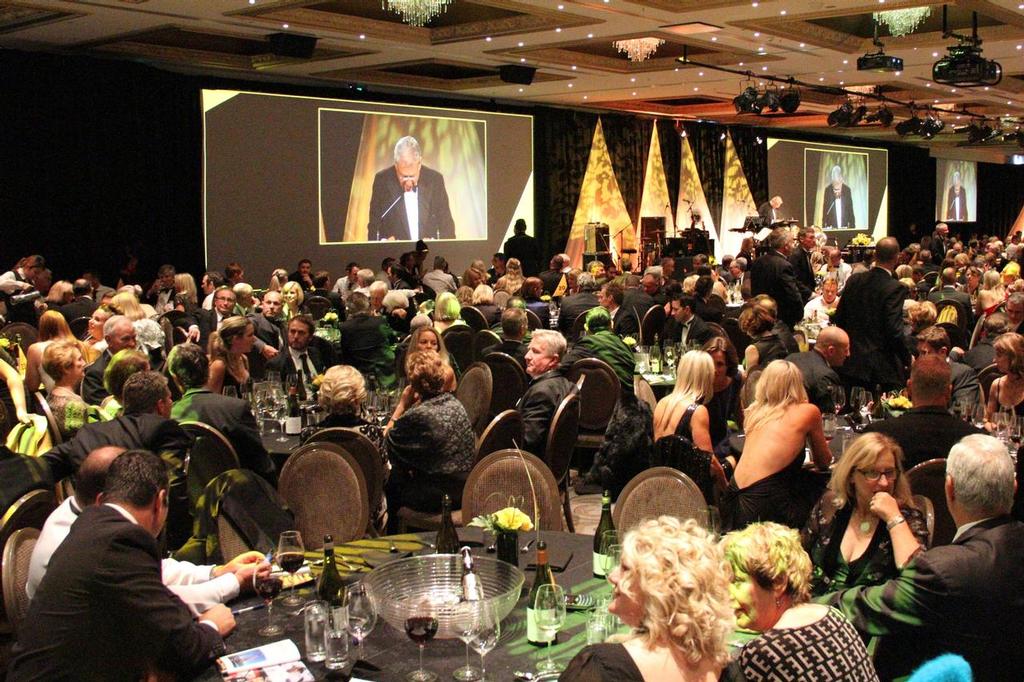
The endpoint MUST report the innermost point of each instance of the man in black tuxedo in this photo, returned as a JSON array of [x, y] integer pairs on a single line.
[[300, 357], [773, 274], [818, 366], [938, 244], [553, 275], [947, 291], [83, 304], [409, 201], [303, 274], [636, 301], [119, 334], [871, 312], [547, 389], [190, 369], [366, 339], [771, 210], [983, 353], [524, 247], [683, 324], [964, 598], [574, 304], [800, 258], [102, 611], [624, 321], [207, 322], [956, 200], [267, 325], [514, 326], [837, 203]]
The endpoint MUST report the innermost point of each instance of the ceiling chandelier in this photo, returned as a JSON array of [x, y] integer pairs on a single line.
[[416, 12], [900, 22], [638, 49]]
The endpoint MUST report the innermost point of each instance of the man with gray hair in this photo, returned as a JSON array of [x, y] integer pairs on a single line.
[[119, 333], [964, 598], [409, 200], [837, 202], [773, 274], [576, 304], [546, 391]]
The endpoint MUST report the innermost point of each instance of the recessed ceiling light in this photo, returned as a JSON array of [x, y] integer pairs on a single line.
[[584, 96], [558, 30], [899, 73], [754, 4], [522, 60], [764, 68], [573, 67], [696, 89], [1020, 46], [842, 82], [520, 89], [952, 89], [803, 44], [782, 12], [520, 43], [252, 2], [821, 79], [561, 7], [634, 94], [284, 25], [676, 69], [700, 73], [757, 34], [633, 79], [936, 101], [570, 85], [362, 36], [714, 39], [846, 61], [1009, 102], [741, 63], [986, 88], [927, 85], [488, 39], [590, 35], [935, 54]]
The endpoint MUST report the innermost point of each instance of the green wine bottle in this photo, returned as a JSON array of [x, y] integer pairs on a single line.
[[605, 524], [447, 541], [543, 576], [331, 589]]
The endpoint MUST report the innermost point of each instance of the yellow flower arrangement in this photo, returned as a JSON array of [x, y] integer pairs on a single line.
[[629, 341], [330, 317], [545, 298], [900, 402], [318, 380], [862, 239], [504, 520]]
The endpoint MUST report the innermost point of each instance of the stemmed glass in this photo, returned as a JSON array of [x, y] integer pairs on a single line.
[[268, 586], [859, 402], [610, 544], [421, 626], [486, 633], [280, 407], [465, 627], [549, 607], [362, 615], [290, 556], [838, 398]]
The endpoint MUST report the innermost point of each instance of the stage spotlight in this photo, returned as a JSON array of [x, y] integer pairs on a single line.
[[769, 99], [841, 116], [790, 101], [857, 115], [931, 126], [910, 126], [882, 115], [979, 132], [744, 102]]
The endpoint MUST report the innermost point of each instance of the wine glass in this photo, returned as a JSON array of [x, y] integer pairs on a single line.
[[465, 628], [281, 415], [486, 633], [290, 556], [549, 610], [828, 426], [421, 626], [838, 398], [859, 401], [362, 615], [268, 586], [609, 541]]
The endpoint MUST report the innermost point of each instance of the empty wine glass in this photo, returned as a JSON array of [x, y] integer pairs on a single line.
[[281, 414], [838, 398], [610, 545], [362, 615], [290, 557], [465, 628], [549, 610], [486, 633], [860, 401]]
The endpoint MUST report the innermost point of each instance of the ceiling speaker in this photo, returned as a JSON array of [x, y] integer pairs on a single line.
[[514, 73], [292, 45]]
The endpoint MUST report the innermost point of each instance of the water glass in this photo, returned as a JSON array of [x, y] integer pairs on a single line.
[[316, 616], [336, 645], [597, 627]]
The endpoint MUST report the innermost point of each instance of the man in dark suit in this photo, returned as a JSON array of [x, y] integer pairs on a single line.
[[771, 210], [947, 291], [624, 321], [83, 303], [102, 611], [524, 247], [984, 353], [956, 200], [635, 300], [871, 312], [119, 334], [935, 341], [553, 275], [801, 262], [574, 304], [303, 274], [207, 322], [965, 598], [267, 326], [683, 324], [300, 357], [514, 326], [408, 193], [938, 244], [927, 430], [546, 391], [190, 369], [818, 366], [773, 274], [837, 203], [366, 340]]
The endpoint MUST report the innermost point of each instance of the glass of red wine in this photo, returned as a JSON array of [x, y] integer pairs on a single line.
[[421, 626], [290, 556], [268, 586]]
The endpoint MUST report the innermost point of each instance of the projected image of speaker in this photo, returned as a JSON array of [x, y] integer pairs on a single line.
[[292, 45], [515, 73]]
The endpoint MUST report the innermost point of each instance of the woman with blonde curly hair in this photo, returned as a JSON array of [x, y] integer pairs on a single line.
[[52, 327], [771, 579], [229, 366], [291, 300], [769, 483], [672, 589], [512, 280], [148, 334]]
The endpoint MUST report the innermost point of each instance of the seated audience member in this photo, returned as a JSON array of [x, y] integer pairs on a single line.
[[83, 304], [725, 404], [124, 364], [1007, 392], [378, 290], [781, 328], [864, 529], [465, 296], [600, 342], [190, 369], [512, 281], [676, 632], [514, 326], [483, 300], [292, 297], [52, 327], [552, 277], [547, 389], [533, 289], [347, 283], [818, 366], [822, 306], [302, 274], [266, 322], [395, 309], [245, 304], [96, 342], [927, 430], [682, 411], [427, 338], [186, 297], [474, 277], [623, 323], [636, 300], [947, 290], [208, 321], [438, 280], [102, 610], [62, 360], [447, 312], [576, 304], [683, 325], [321, 287], [429, 440], [710, 304], [964, 598], [200, 587], [758, 322], [119, 333], [301, 358], [798, 640], [212, 280], [148, 334], [935, 341], [770, 483], [920, 316], [229, 348], [984, 353]]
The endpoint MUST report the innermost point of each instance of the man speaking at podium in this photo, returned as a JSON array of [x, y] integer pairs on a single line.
[[837, 204], [772, 210], [409, 200]]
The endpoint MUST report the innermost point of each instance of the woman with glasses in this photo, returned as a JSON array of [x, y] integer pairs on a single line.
[[865, 528]]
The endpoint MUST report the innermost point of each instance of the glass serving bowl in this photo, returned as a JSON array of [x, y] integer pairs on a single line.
[[399, 586]]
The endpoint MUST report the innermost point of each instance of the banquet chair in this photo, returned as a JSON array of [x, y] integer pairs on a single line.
[[317, 306], [978, 327], [459, 342], [14, 569], [474, 392], [229, 541], [21, 333], [483, 340], [324, 487], [559, 448], [598, 397], [505, 431], [957, 336], [533, 320], [79, 327], [211, 454], [474, 318], [500, 480], [927, 509], [168, 329], [366, 455], [986, 377], [577, 326], [508, 381], [51, 422], [28, 511], [644, 392], [651, 325], [929, 479], [656, 492]]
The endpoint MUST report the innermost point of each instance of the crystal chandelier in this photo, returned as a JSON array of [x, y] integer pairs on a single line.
[[900, 22], [638, 49], [416, 12]]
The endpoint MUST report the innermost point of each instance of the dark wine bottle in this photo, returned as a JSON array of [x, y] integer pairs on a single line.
[[330, 587], [605, 524], [447, 541], [878, 409], [293, 423], [543, 576], [471, 588]]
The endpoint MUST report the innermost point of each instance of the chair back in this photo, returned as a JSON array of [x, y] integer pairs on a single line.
[[169, 339], [562, 438], [366, 455], [483, 340], [229, 541], [174, 316], [51, 422], [978, 328], [927, 509], [21, 333], [659, 491], [644, 392], [474, 392], [929, 479], [505, 431], [987, 376], [651, 325], [211, 455], [508, 381], [503, 475], [14, 569], [533, 320], [324, 487], [459, 342], [717, 329], [600, 392], [957, 337], [679, 453], [317, 306], [577, 326], [474, 318], [28, 511], [79, 327]]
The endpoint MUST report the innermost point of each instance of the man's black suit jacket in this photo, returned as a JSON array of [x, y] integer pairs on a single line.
[[83, 306], [801, 261], [365, 343], [267, 331], [572, 306], [283, 361], [514, 349], [551, 279], [527, 250], [698, 333], [93, 391], [435, 216], [537, 407], [871, 312], [924, 433], [773, 274], [951, 213], [981, 356], [103, 613], [828, 207], [819, 378]]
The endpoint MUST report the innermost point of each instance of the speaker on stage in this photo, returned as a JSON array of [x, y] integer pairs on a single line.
[[595, 238], [515, 73]]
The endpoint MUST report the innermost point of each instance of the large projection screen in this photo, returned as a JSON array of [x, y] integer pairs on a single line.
[[956, 191], [290, 177]]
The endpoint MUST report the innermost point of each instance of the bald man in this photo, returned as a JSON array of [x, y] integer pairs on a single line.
[[818, 366]]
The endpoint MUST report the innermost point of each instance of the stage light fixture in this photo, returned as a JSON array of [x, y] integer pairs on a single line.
[[857, 115], [931, 126], [790, 100], [882, 115], [842, 116], [744, 102], [980, 132], [769, 99], [910, 126]]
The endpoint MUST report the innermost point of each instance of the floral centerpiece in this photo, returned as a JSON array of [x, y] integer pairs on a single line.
[[897, 405], [505, 524], [862, 239], [327, 328]]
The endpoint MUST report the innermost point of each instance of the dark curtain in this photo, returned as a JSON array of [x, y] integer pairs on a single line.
[[911, 193], [708, 148], [671, 152], [629, 143], [1003, 189], [752, 150]]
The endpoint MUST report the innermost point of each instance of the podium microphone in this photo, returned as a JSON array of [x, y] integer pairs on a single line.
[[386, 211]]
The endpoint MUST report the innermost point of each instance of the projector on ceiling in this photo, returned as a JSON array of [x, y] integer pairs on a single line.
[[879, 61], [965, 67]]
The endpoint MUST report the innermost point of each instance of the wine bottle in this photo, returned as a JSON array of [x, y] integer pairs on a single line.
[[655, 356], [605, 524], [447, 541], [471, 589], [878, 409], [543, 576], [293, 424], [331, 589]]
